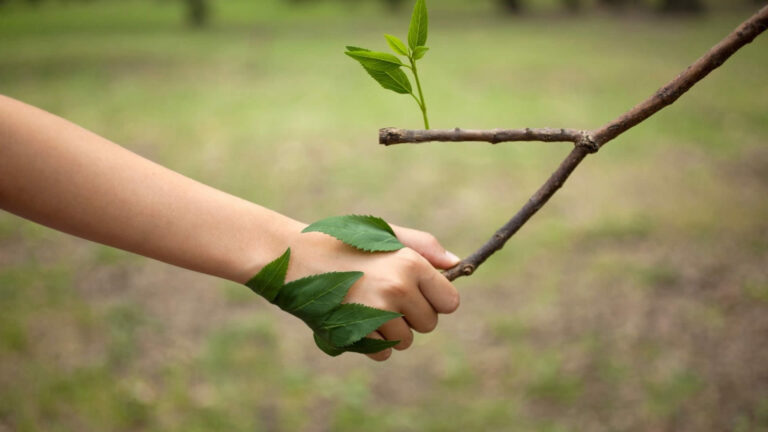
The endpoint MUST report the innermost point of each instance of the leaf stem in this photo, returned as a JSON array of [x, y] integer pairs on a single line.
[[418, 102], [422, 104]]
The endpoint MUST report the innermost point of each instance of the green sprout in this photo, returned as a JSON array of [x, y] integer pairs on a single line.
[[386, 68]]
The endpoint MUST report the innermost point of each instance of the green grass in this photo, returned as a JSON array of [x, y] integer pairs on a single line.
[[635, 300]]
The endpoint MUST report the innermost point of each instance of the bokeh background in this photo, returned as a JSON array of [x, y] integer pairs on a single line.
[[636, 300]]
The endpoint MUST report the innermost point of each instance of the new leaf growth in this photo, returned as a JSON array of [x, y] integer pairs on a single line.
[[386, 68]]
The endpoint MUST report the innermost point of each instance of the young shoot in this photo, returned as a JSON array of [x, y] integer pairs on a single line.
[[387, 69]]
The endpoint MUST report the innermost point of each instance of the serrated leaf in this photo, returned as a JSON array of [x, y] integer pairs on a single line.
[[395, 80], [351, 322], [370, 345], [419, 52], [313, 297], [396, 44], [367, 233], [363, 346], [417, 32], [327, 347], [271, 278], [376, 60]]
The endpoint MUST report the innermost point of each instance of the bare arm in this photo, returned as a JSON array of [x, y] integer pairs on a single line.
[[65, 177]]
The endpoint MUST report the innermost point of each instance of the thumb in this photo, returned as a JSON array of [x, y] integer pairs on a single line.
[[427, 246]]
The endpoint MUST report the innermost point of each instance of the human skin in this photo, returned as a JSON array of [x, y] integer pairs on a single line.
[[58, 174]]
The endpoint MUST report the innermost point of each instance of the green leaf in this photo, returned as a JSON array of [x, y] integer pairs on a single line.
[[417, 33], [396, 44], [354, 48], [370, 346], [419, 52], [313, 297], [395, 80], [271, 278], [363, 346], [367, 233], [327, 347], [376, 60], [351, 322]]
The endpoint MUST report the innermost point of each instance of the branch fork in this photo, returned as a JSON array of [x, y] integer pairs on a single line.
[[585, 141]]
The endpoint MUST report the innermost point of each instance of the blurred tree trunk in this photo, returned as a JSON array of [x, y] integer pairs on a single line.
[[197, 12], [622, 4], [614, 4], [512, 6], [572, 5], [394, 5], [682, 6]]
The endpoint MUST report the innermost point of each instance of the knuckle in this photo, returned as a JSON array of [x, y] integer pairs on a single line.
[[396, 290], [431, 241], [410, 258]]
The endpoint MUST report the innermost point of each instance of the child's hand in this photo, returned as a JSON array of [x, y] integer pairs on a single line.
[[405, 281], [67, 178]]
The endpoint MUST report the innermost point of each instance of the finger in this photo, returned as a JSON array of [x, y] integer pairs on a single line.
[[439, 291], [397, 329], [427, 246], [381, 355], [418, 312]]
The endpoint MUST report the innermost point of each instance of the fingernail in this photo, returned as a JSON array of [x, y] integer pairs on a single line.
[[452, 258]]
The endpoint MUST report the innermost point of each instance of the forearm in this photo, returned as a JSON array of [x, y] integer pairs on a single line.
[[60, 175]]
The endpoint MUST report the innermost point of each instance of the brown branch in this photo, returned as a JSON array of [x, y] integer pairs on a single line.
[[391, 136], [585, 142]]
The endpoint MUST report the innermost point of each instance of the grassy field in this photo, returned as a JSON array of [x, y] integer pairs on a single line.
[[637, 300]]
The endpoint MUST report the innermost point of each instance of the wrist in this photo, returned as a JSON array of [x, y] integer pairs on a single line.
[[267, 237]]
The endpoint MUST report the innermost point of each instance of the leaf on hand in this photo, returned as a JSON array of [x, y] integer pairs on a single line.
[[351, 322], [271, 278], [367, 233], [395, 80], [419, 52], [396, 44], [417, 33], [370, 345], [313, 297], [363, 346], [317, 299], [328, 347], [378, 61]]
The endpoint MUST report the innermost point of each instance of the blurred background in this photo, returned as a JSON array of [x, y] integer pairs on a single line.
[[636, 300]]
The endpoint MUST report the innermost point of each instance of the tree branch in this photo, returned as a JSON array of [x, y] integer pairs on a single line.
[[391, 136], [585, 142]]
